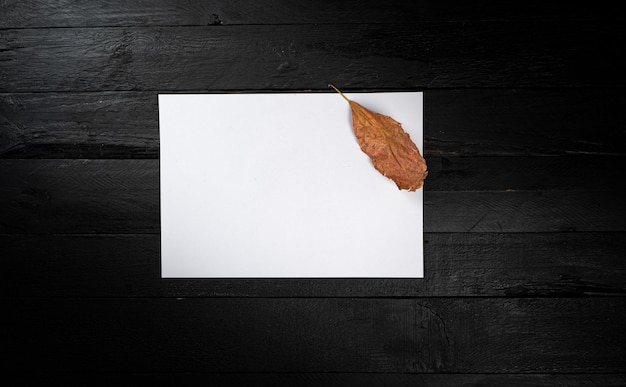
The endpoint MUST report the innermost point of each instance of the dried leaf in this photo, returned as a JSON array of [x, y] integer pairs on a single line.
[[391, 149]]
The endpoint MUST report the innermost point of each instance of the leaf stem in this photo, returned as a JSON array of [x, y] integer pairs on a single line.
[[338, 91]]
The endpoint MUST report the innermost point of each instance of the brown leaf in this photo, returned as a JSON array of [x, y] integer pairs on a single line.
[[391, 149]]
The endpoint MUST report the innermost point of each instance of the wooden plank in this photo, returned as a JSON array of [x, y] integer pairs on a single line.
[[82, 125], [49, 197], [122, 196], [432, 55], [441, 335], [549, 211], [477, 122], [333, 379], [72, 13], [521, 173], [524, 122], [456, 265]]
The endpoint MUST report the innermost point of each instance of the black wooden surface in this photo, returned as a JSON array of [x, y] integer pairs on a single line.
[[525, 231]]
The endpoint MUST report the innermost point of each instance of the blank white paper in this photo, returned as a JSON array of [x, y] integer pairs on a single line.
[[275, 185]]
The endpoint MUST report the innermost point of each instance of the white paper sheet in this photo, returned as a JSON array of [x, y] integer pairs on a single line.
[[275, 185]]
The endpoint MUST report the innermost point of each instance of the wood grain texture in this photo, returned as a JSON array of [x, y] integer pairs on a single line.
[[58, 198], [84, 125], [122, 196], [335, 379], [315, 335], [432, 55], [456, 265], [474, 122], [74, 13]]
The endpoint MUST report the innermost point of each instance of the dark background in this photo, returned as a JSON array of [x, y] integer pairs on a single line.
[[524, 134]]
